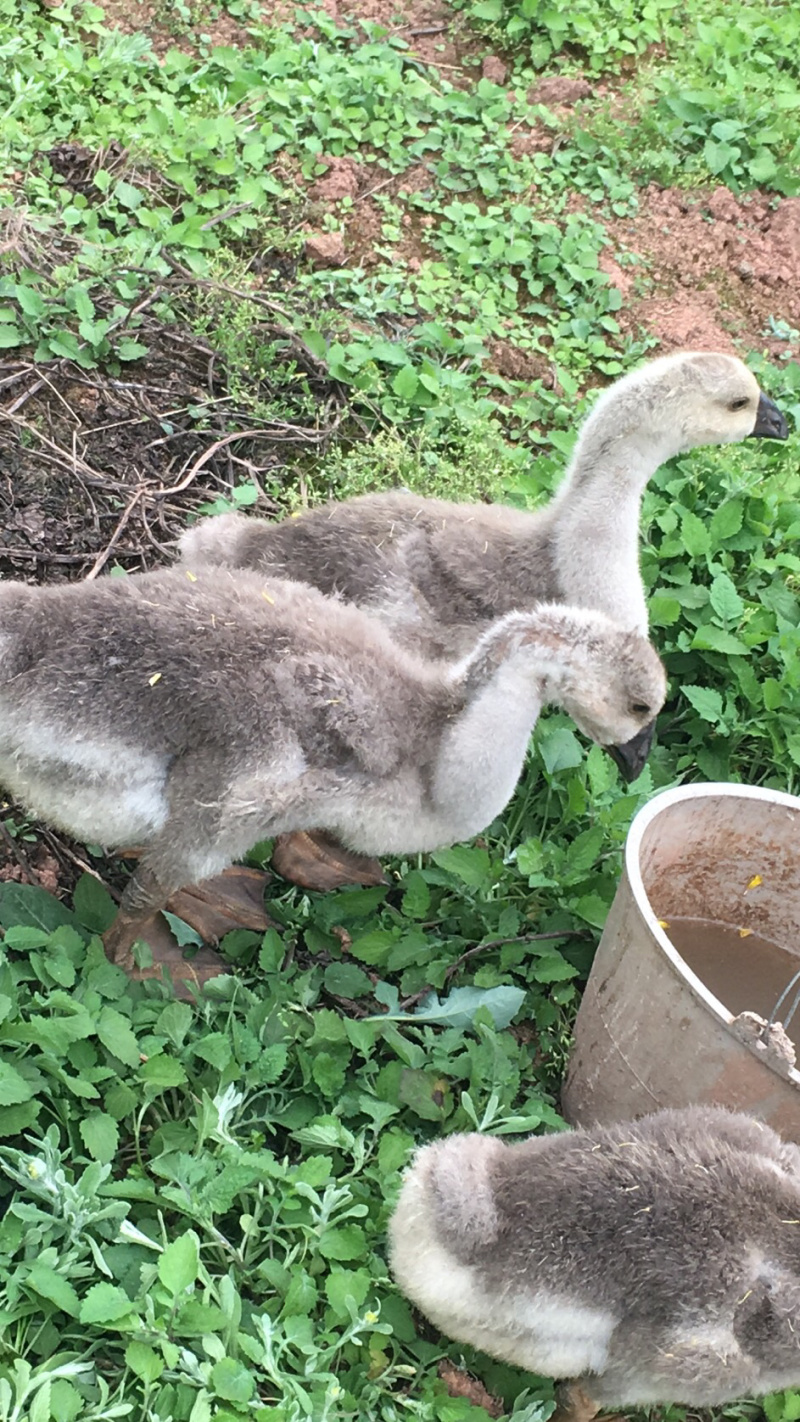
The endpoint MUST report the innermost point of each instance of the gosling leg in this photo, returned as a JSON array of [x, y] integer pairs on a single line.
[[139, 919], [573, 1404], [215, 906]]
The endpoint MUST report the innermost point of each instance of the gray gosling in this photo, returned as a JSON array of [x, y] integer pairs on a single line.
[[437, 573], [651, 1262], [195, 716]]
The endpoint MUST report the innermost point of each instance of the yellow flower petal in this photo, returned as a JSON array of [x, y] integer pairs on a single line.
[[755, 881]]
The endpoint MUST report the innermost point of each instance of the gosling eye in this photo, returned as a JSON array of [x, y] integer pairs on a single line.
[[739, 404], [640, 708]]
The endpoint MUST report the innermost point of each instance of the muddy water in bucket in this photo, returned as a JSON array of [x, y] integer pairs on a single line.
[[676, 1008], [746, 972]]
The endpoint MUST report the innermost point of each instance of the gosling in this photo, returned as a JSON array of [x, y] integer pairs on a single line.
[[197, 715], [438, 573], [650, 1262]]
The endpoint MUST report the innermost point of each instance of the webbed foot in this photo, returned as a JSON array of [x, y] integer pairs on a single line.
[[315, 860]]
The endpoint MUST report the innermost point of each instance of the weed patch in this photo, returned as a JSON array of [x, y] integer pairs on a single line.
[[194, 1200]]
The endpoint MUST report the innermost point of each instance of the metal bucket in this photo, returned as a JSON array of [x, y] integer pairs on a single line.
[[650, 1032]]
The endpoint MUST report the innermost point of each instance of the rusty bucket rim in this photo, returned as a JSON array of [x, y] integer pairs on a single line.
[[640, 824]]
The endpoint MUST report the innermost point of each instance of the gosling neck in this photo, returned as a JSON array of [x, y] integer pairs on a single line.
[[501, 688], [595, 519]]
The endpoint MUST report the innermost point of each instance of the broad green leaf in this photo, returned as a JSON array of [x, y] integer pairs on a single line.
[[328, 1072], [553, 969], [128, 349], [709, 638], [719, 155], [104, 1304], [706, 701], [417, 897], [117, 1036], [412, 948], [727, 520], [695, 535], [272, 951], [584, 850], [725, 600], [592, 909], [162, 1072], [93, 904], [394, 1150], [174, 1021], [196, 1318], [179, 1263], [664, 611], [315, 1170], [120, 1101], [144, 1361], [347, 1286], [373, 948], [405, 383], [29, 299], [214, 1048], [302, 1293], [201, 1410], [346, 980], [466, 862], [184, 935], [458, 1009], [65, 1401], [530, 855], [100, 1135], [39, 1407], [30, 905], [773, 694], [232, 1381], [127, 195], [55, 1288], [762, 167], [783, 1406], [14, 1089], [560, 749], [343, 1244], [16, 1119], [84, 306]]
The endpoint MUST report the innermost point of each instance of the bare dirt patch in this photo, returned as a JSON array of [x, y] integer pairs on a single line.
[[435, 33], [719, 269], [516, 364], [559, 90], [211, 26]]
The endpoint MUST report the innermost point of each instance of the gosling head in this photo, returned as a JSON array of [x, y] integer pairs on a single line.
[[690, 399], [610, 681]]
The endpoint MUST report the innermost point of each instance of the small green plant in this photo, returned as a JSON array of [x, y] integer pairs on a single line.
[[604, 31]]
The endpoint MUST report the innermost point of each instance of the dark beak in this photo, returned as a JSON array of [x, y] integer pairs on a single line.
[[631, 758], [770, 423]]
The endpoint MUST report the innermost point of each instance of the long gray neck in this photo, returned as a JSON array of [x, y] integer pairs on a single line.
[[595, 518], [482, 750]]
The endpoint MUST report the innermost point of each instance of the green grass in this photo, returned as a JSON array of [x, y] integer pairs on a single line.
[[197, 1199], [715, 92]]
